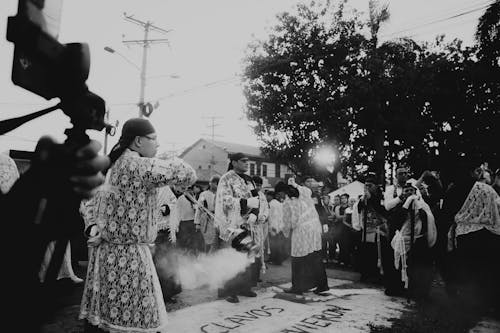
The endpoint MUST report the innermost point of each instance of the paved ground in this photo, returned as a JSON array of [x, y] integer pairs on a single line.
[[412, 318]]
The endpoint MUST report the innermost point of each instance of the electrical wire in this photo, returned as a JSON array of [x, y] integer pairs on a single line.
[[463, 13]]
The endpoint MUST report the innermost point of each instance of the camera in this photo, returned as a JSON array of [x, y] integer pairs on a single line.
[[50, 69]]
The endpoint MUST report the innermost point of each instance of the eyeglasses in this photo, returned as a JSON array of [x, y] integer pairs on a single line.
[[150, 138]]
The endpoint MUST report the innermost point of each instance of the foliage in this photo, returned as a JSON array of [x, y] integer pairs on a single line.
[[317, 79], [488, 35]]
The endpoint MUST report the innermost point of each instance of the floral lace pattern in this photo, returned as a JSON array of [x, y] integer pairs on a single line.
[[480, 210], [300, 216], [122, 292], [276, 215], [8, 173], [230, 190]]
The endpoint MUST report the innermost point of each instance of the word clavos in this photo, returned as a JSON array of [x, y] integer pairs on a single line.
[[235, 321]]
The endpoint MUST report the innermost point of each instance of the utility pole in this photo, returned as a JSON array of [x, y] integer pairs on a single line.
[[147, 26], [109, 130], [213, 125]]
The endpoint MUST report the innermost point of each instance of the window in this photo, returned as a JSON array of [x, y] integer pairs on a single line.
[[264, 170], [252, 169], [199, 167], [258, 169], [277, 170], [209, 166]]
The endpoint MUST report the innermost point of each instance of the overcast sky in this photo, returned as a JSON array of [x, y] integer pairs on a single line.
[[207, 45]]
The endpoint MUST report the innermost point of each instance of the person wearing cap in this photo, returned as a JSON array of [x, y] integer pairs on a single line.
[[236, 207], [122, 291], [412, 242]]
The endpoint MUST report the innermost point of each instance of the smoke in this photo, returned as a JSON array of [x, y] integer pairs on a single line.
[[190, 271]]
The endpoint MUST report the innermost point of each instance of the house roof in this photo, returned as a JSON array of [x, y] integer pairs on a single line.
[[228, 147], [239, 148]]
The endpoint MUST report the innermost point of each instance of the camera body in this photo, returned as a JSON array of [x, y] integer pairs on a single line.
[[50, 69]]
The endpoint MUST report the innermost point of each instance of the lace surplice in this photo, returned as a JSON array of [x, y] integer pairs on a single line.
[[8, 173], [480, 210], [301, 218], [122, 292]]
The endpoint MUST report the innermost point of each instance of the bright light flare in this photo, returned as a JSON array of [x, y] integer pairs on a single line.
[[326, 157]]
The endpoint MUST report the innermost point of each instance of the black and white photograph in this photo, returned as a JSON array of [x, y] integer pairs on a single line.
[[250, 166]]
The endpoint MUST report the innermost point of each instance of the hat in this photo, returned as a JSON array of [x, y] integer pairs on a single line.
[[236, 156], [136, 127]]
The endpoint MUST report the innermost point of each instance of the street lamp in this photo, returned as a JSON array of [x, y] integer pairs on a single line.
[[111, 50]]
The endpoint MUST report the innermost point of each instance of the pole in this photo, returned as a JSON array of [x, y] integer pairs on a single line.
[[412, 237], [143, 68], [106, 133]]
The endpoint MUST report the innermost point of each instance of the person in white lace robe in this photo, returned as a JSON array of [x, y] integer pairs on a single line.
[[302, 220], [235, 207], [122, 292]]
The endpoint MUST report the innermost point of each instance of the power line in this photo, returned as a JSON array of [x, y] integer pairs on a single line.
[[441, 29], [218, 83], [467, 12]]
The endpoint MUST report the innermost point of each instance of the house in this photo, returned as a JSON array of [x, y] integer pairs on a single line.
[[211, 158]]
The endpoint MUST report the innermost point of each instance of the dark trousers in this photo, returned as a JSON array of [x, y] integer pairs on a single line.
[[255, 268], [346, 244], [241, 283], [329, 241], [164, 260], [367, 259], [420, 269], [308, 272], [188, 238], [478, 268], [392, 276], [278, 249]]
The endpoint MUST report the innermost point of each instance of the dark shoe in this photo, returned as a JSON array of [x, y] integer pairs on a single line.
[[318, 291], [248, 293], [395, 292], [259, 280], [292, 291], [232, 299]]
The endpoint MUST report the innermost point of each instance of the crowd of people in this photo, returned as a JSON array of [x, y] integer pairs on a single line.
[[397, 235]]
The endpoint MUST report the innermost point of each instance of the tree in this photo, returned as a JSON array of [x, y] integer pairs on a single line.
[[488, 35], [317, 80], [296, 81]]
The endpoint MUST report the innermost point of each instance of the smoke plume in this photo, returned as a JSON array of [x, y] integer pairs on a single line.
[[190, 271]]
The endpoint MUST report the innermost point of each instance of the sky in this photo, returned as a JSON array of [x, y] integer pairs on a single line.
[[207, 43]]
